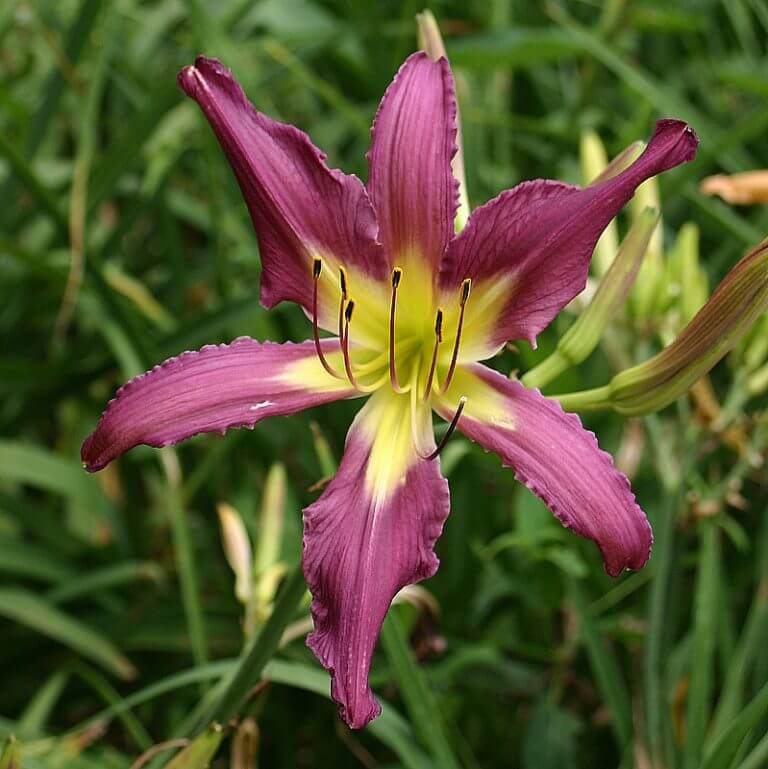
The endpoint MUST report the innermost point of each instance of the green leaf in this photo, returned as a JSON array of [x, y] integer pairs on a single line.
[[38, 615], [727, 746], [419, 698], [551, 739]]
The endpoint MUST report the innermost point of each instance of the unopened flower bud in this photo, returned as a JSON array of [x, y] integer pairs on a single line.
[[647, 291], [267, 565], [686, 276], [736, 304], [431, 42], [237, 548]]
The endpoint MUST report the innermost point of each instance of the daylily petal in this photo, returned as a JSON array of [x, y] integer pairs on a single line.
[[212, 390], [300, 208], [528, 250], [371, 533], [557, 459], [410, 181]]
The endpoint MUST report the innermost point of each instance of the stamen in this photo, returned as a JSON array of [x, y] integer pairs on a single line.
[[397, 274], [317, 268], [433, 365], [343, 288], [350, 308], [449, 432], [466, 287]]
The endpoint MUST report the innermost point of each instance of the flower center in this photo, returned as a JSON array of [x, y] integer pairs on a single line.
[[414, 359], [416, 355]]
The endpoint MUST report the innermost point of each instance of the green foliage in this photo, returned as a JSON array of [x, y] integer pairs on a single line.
[[124, 240]]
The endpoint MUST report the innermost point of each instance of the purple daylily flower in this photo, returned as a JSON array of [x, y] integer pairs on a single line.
[[414, 307]]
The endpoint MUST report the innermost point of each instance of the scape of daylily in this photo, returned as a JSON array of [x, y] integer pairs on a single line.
[[413, 308]]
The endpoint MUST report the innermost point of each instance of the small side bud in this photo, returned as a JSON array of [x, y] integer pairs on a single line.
[[694, 285], [647, 291], [237, 549]]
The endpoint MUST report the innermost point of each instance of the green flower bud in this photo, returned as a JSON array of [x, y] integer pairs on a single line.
[[431, 42], [687, 286], [584, 335], [267, 566], [737, 303], [648, 289]]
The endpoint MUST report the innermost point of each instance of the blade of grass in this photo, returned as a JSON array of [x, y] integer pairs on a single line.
[[750, 645], [99, 580], [656, 707], [758, 757], [610, 681], [185, 557], [420, 700], [728, 743], [704, 637], [38, 710], [38, 615], [86, 149]]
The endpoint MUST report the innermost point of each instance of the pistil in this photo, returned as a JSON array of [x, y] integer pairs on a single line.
[[435, 350]]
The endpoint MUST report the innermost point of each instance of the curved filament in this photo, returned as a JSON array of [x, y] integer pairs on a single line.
[[347, 317], [448, 433], [317, 268]]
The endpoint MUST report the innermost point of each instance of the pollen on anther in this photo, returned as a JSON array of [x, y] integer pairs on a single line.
[[466, 287], [317, 268], [397, 274], [349, 310], [439, 325], [343, 282]]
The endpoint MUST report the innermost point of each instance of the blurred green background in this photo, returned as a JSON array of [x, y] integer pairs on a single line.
[[124, 240]]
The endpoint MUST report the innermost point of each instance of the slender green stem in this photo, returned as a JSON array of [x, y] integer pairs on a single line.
[[251, 665], [550, 368], [596, 399]]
